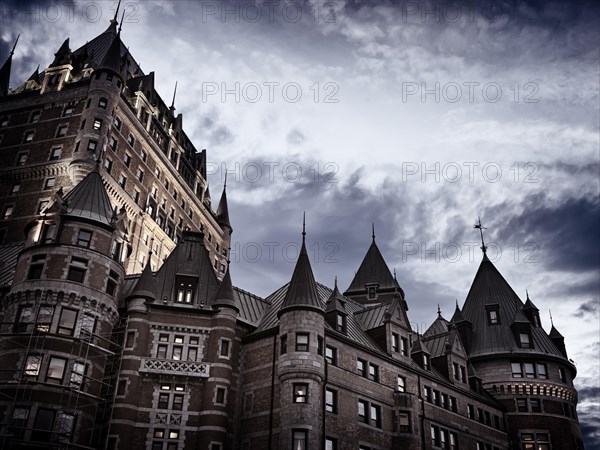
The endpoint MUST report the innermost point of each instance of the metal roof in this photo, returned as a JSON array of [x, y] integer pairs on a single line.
[[372, 270], [89, 200], [8, 262]]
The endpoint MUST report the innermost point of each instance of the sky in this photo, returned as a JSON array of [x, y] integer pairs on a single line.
[[416, 117]]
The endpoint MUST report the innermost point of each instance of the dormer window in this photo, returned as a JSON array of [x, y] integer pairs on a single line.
[[185, 290], [371, 292], [493, 314], [426, 364], [525, 340], [341, 323]]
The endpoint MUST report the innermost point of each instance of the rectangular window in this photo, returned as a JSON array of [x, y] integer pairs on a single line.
[[122, 181], [62, 131], [426, 365], [529, 370], [360, 367], [67, 320], [435, 436], [395, 343], [7, 212], [299, 440], [29, 136], [97, 124], [102, 102], [471, 412], [455, 371], [330, 443], [427, 393], [178, 401], [562, 374], [130, 339], [320, 345], [127, 159], [43, 425], [49, 183], [373, 372], [192, 354], [177, 352], [144, 156], [463, 374], [331, 401], [35, 271], [161, 352], [92, 146], [15, 188], [117, 123], [44, 318], [362, 411], [163, 401], [77, 373], [68, 111], [76, 274], [542, 371], [24, 319], [524, 340], [130, 140], [404, 422], [300, 393], [401, 384], [88, 324], [18, 421], [55, 153], [22, 158], [536, 405], [302, 342], [225, 348], [331, 355], [522, 405], [35, 116], [404, 346], [375, 416], [56, 370], [84, 238], [517, 371], [453, 404], [112, 143], [32, 366], [283, 347]]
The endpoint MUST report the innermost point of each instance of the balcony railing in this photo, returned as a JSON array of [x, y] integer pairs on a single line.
[[172, 367]]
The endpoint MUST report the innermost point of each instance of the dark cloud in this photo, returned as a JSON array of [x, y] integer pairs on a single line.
[[567, 233], [588, 308], [295, 137]]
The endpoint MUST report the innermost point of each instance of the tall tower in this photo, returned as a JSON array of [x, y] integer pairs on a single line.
[[519, 364], [58, 317], [301, 366]]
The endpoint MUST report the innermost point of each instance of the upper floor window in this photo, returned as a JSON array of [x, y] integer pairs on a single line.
[[331, 401], [537, 441], [302, 342], [401, 384], [68, 111], [66, 323], [15, 188], [49, 184], [283, 344], [426, 364], [373, 372], [300, 393], [56, 370], [7, 212], [102, 102], [395, 343], [117, 123], [130, 140], [77, 269], [360, 367], [28, 136], [61, 131], [35, 116], [84, 238], [492, 314], [562, 374], [299, 440], [22, 158], [55, 153], [331, 355], [185, 289], [341, 323], [525, 340]]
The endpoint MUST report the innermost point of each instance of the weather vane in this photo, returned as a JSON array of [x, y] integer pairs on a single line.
[[481, 228]]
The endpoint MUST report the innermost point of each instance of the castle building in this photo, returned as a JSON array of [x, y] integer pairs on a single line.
[[120, 327]]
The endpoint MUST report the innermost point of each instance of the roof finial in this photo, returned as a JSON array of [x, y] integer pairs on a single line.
[[439, 311], [373, 229], [121, 23], [172, 107], [303, 225], [117, 11], [527, 294], [335, 283], [394, 273], [12, 52], [481, 228], [225, 183], [551, 321]]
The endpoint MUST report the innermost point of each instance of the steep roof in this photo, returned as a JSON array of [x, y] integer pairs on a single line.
[[145, 286], [190, 258], [89, 200], [302, 289], [225, 296], [5, 72], [439, 326], [458, 315], [222, 214], [372, 270], [336, 301], [112, 57], [490, 288]]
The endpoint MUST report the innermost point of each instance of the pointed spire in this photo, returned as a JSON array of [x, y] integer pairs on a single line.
[[551, 321], [336, 301], [225, 296], [439, 311], [35, 76], [302, 290], [121, 24], [146, 284], [172, 108], [63, 55], [373, 230], [114, 22], [458, 315], [481, 228], [222, 214], [112, 58], [5, 71]]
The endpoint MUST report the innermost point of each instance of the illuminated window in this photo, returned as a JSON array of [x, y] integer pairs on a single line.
[[77, 373], [300, 393], [302, 342], [299, 440]]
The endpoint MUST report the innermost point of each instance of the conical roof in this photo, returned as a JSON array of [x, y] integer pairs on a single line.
[[554, 333], [302, 291], [35, 76], [336, 301], [439, 326], [489, 288], [372, 270], [457, 316], [146, 286], [420, 347], [225, 295], [89, 200], [222, 214], [63, 55], [112, 58]]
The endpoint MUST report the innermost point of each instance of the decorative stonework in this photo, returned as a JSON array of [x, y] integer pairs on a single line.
[[170, 367]]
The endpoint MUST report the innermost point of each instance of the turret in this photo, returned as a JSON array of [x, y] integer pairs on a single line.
[[63, 302], [59, 72], [301, 366], [5, 72]]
